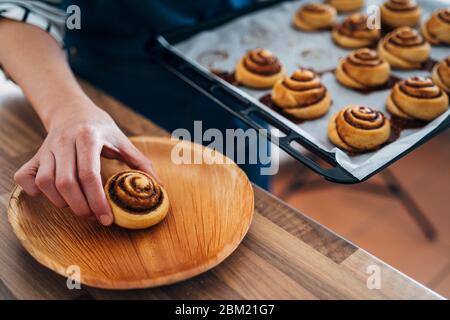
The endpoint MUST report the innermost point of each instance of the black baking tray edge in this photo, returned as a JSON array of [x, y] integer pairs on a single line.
[[242, 108]]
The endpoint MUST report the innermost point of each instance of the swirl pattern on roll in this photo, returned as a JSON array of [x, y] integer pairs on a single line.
[[417, 98], [262, 62], [353, 32], [441, 74], [404, 48], [314, 16], [437, 28], [362, 69], [363, 117], [302, 95], [401, 5], [135, 191], [346, 5], [259, 68], [398, 13], [359, 129]]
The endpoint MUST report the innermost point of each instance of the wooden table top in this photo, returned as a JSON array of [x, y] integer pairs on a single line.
[[285, 255]]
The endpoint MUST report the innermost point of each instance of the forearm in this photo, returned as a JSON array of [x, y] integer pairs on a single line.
[[34, 60]]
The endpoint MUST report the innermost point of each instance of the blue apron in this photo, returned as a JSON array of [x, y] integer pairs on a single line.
[[109, 52]]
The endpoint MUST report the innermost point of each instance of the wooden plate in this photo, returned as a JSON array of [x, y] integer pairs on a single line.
[[211, 211]]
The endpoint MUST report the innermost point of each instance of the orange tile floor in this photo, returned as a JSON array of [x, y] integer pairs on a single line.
[[380, 224]]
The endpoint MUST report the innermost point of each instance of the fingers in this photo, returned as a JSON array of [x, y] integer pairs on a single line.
[[26, 175], [136, 159], [66, 180], [45, 180], [88, 165]]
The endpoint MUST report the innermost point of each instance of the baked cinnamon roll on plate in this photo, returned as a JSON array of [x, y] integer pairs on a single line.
[[204, 225], [137, 201]]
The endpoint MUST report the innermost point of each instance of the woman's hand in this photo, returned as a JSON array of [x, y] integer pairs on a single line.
[[67, 166]]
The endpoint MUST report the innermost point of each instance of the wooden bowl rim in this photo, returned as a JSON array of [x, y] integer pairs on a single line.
[[92, 281]]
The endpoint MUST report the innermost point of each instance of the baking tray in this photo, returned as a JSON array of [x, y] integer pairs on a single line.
[[250, 111]]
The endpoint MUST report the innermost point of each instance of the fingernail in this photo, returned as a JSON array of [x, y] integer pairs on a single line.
[[106, 220]]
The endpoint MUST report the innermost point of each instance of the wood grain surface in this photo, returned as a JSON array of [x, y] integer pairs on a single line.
[[205, 224], [285, 255]]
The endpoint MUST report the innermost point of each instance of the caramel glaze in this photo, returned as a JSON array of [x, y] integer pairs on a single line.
[[387, 86], [399, 124], [226, 75], [322, 72], [428, 65], [267, 101], [124, 205]]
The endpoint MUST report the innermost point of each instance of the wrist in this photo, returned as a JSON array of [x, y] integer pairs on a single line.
[[59, 110]]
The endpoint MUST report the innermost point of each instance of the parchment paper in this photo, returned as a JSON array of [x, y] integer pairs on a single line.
[[271, 28]]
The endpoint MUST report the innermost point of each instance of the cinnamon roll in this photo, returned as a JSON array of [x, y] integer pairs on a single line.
[[417, 98], [441, 74], [404, 48], [301, 95], [137, 201], [437, 28], [314, 16], [399, 13], [354, 32], [346, 5], [363, 69], [359, 129], [259, 69]]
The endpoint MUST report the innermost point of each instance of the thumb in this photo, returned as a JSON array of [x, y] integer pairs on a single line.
[[26, 176], [135, 159]]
